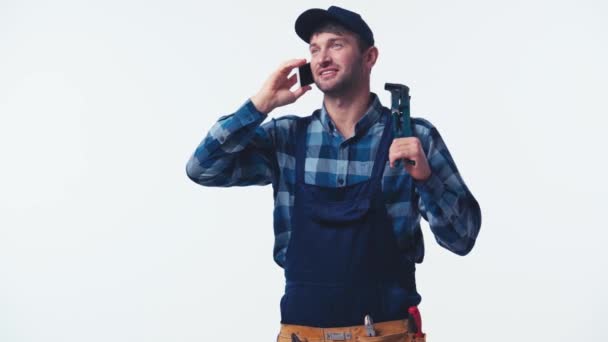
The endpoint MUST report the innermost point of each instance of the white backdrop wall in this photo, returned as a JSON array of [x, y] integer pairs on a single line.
[[104, 238]]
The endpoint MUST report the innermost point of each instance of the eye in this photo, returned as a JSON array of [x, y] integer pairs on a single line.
[[314, 50], [337, 45]]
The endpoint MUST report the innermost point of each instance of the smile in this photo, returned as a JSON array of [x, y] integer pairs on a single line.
[[328, 73]]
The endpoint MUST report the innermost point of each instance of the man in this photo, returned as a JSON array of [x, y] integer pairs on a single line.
[[346, 223]]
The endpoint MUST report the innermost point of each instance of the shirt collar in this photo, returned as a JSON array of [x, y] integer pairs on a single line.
[[372, 115]]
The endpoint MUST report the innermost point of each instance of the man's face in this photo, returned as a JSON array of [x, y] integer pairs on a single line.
[[336, 62]]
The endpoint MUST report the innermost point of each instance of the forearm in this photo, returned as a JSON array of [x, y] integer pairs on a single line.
[[235, 151], [452, 211], [444, 199]]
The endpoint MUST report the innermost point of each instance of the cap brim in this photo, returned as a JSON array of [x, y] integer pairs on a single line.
[[308, 21]]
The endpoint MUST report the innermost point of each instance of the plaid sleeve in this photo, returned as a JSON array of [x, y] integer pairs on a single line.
[[237, 151], [444, 200]]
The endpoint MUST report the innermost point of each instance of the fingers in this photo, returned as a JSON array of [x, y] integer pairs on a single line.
[[405, 148], [408, 141], [293, 79], [275, 90], [280, 79], [402, 154], [287, 66], [301, 91], [410, 149]]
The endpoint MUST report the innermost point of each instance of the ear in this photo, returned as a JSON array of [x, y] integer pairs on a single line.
[[371, 56]]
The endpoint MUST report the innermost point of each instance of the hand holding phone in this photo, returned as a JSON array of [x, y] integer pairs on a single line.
[[305, 75], [276, 90]]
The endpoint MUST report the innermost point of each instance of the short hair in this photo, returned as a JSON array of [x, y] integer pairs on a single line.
[[332, 26]]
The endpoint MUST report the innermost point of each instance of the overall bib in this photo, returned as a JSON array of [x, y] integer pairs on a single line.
[[342, 260]]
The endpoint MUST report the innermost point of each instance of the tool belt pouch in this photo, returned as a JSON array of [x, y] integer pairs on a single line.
[[413, 338], [399, 337]]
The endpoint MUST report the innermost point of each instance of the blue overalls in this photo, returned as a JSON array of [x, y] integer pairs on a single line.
[[342, 260]]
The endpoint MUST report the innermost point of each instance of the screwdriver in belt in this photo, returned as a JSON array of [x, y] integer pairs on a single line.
[[369, 326]]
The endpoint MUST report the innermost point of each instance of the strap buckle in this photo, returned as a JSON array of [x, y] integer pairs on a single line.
[[338, 336]]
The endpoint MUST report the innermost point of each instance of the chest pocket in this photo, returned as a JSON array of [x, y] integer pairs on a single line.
[[340, 212]]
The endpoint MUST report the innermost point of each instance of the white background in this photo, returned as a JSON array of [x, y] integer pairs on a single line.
[[104, 238]]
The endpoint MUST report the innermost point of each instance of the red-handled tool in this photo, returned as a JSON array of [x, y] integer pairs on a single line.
[[415, 314]]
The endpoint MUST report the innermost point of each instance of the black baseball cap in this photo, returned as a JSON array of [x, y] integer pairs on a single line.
[[310, 20]]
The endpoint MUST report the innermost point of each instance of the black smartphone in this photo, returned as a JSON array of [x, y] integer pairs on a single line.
[[305, 75]]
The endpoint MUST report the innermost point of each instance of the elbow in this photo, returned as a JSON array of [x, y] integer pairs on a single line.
[[465, 247], [467, 242], [204, 176], [460, 244], [193, 171]]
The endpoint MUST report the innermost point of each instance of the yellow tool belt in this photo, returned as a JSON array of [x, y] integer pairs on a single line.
[[391, 331]]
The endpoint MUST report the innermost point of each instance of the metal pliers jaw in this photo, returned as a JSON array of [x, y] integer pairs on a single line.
[[400, 108], [400, 111]]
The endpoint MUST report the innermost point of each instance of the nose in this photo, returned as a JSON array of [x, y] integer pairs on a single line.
[[324, 58]]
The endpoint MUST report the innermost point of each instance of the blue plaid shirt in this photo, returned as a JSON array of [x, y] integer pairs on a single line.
[[241, 150]]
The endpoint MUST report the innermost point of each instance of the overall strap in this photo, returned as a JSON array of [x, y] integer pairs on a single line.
[[383, 147], [301, 128]]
